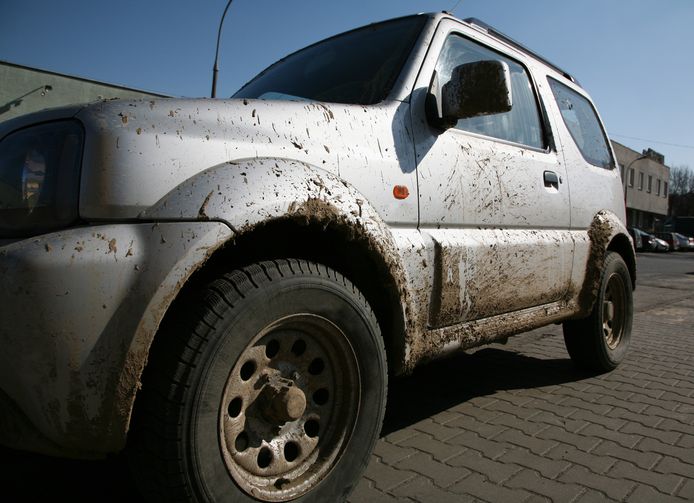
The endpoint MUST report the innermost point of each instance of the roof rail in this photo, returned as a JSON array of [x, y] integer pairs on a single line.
[[505, 38]]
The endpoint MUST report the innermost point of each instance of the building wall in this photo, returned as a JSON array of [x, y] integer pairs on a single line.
[[25, 90], [645, 208]]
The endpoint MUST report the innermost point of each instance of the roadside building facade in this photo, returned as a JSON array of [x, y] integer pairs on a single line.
[[25, 90], [646, 186]]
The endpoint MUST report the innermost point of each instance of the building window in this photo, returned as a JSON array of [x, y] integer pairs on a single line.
[[640, 180], [665, 190], [657, 187], [631, 177], [650, 184]]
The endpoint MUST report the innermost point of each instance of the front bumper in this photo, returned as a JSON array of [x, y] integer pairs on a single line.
[[78, 311]]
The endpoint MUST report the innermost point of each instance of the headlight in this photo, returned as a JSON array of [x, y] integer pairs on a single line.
[[39, 178]]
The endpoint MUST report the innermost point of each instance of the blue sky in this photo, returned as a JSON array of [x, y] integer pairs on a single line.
[[633, 56]]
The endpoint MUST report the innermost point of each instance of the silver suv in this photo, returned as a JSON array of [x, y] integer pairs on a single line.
[[222, 287]]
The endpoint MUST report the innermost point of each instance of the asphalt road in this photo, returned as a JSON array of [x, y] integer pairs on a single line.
[[503, 423]]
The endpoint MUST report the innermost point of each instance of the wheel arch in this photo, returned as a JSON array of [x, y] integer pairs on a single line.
[[279, 208]]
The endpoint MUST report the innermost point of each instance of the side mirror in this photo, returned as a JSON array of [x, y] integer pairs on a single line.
[[475, 89]]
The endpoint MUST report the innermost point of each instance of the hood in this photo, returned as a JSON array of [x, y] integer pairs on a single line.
[[138, 151]]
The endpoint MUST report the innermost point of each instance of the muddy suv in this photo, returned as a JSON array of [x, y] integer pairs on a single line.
[[221, 287]]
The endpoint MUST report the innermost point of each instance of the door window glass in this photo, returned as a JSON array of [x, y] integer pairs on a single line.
[[522, 123]]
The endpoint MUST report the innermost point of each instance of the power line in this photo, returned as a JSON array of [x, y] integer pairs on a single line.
[[653, 141]]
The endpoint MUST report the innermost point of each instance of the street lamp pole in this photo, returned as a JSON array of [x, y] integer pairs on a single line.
[[626, 174], [215, 68]]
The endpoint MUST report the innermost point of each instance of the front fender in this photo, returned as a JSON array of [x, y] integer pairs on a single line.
[[249, 193]]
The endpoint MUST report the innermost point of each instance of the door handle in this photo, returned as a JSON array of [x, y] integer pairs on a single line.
[[551, 179]]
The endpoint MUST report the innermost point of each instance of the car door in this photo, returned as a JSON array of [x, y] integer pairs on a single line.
[[493, 196]]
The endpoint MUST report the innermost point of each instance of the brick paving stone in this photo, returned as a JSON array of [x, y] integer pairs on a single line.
[[673, 465], [646, 418], [479, 487], [678, 426], [366, 493], [608, 420], [385, 477], [665, 483], [686, 442], [421, 489], [536, 498], [484, 430], [588, 403], [547, 467], [445, 416], [401, 435], [641, 391], [634, 407], [436, 430], [491, 448], [534, 444], [678, 416], [529, 427], [615, 488], [391, 453], [596, 463], [641, 458], [510, 409], [443, 475], [563, 409], [590, 496], [646, 494], [580, 441], [650, 445], [495, 471], [532, 482], [426, 443], [623, 439], [668, 437], [686, 491], [478, 413]]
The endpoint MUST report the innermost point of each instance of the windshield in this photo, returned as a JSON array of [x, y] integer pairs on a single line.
[[357, 67]]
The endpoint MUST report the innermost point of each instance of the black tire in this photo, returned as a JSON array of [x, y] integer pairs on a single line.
[[600, 341], [270, 382]]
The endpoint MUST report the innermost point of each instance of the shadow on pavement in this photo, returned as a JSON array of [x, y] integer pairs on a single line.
[[443, 384], [433, 388], [27, 477]]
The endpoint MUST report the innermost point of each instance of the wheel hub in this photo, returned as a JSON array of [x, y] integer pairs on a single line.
[[281, 401], [289, 407], [613, 311]]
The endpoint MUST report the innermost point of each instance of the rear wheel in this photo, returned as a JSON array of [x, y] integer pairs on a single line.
[[600, 341], [269, 386]]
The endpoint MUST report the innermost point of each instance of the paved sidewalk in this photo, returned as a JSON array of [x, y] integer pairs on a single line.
[[518, 423]]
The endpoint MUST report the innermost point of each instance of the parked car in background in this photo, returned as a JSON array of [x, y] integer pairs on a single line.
[[684, 242], [643, 241], [670, 238], [659, 245]]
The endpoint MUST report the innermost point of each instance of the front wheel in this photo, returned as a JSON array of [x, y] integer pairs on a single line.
[[270, 385], [600, 341]]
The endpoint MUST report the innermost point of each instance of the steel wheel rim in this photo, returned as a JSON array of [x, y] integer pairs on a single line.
[[289, 407], [614, 311]]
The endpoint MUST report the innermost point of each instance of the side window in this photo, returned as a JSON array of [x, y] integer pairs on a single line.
[[583, 124], [521, 124]]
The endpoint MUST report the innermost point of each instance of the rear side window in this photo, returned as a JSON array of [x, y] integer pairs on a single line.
[[583, 124], [519, 125]]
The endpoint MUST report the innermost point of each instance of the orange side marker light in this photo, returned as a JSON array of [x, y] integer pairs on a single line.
[[400, 192]]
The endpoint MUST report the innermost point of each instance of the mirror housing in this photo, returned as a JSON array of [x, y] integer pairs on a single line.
[[475, 89]]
